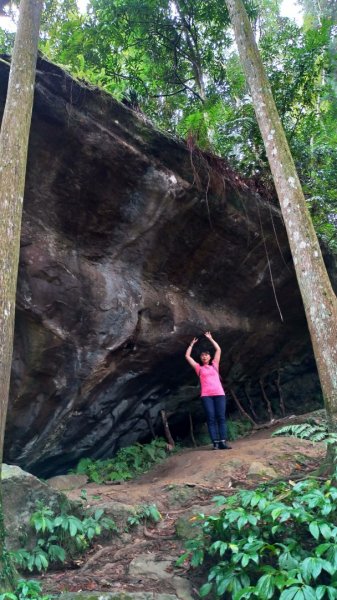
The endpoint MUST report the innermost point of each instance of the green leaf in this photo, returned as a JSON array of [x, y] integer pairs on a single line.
[[309, 593], [197, 558], [320, 591], [290, 593], [242, 521], [206, 589], [287, 561], [219, 500], [332, 592], [265, 586], [325, 531], [323, 548], [246, 592], [311, 568], [245, 560], [314, 529]]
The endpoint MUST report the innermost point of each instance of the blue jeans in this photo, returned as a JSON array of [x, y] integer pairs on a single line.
[[215, 409]]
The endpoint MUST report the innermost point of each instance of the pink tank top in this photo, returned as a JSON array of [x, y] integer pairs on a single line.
[[210, 380]]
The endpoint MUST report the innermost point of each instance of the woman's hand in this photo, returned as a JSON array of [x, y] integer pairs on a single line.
[[217, 355], [194, 341]]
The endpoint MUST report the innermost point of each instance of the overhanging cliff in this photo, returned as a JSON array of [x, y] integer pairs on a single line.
[[132, 245]]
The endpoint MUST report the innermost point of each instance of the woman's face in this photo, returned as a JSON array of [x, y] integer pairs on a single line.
[[205, 358]]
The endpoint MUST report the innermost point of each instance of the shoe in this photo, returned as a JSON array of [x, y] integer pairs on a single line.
[[223, 446], [215, 445]]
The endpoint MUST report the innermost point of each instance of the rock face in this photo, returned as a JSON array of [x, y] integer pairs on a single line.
[[132, 245], [22, 495]]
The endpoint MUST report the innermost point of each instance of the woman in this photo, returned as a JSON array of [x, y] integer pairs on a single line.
[[212, 393]]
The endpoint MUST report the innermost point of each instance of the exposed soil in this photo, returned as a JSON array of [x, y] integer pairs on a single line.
[[181, 486]]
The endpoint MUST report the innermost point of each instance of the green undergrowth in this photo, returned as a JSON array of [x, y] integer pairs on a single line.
[[275, 542], [238, 428], [144, 512], [26, 590], [60, 537], [128, 462], [308, 431]]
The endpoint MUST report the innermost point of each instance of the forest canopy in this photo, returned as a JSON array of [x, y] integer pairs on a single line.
[[175, 61]]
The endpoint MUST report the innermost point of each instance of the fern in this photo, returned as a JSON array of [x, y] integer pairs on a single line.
[[307, 431]]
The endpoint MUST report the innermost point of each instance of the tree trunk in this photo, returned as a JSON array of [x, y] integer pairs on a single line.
[[319, 300], [14, 137]]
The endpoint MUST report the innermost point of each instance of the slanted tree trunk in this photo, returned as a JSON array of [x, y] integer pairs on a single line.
[[318, 296], [14, 137]]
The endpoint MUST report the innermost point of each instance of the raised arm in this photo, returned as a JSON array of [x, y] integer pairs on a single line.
[[188, 356], [217, 354]]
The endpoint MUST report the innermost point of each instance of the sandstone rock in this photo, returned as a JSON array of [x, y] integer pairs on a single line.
[[118, 511], [187, 526], [21, 494], [258, 470], [67, 482], [147, 566], [127, 251]]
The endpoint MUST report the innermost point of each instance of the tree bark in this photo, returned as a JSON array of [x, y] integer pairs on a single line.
[[14, 138], [319, 300], [279, 389]]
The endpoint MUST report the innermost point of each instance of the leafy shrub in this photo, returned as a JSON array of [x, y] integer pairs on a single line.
[[145, 512], [61, 537], [308, 431], [127, 463], [271, 543], [26, 590]]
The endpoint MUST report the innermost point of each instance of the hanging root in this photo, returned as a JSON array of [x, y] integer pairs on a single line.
[[170, 440], [191, 429], [266, 399], [240, 407], [250, 402], [279, 389]]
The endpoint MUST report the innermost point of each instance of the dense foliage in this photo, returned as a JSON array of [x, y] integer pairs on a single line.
[[26, 590], [127, 463], [278, 543], [175, 61], [60, 537]]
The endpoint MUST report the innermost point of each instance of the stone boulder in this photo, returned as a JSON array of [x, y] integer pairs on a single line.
[[22, 494], [132, 243], [147, 566]]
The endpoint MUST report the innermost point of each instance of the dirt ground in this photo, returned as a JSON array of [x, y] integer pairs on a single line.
[[181, 486]]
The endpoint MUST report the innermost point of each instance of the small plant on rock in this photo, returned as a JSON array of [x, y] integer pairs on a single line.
[[145, 512]]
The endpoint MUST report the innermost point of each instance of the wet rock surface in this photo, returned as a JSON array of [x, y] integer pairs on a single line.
[[130, 247]]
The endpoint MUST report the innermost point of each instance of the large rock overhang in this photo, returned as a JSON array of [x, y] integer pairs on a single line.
[[131, 245]]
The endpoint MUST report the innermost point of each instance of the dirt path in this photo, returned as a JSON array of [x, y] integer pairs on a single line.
[[143, 558]]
